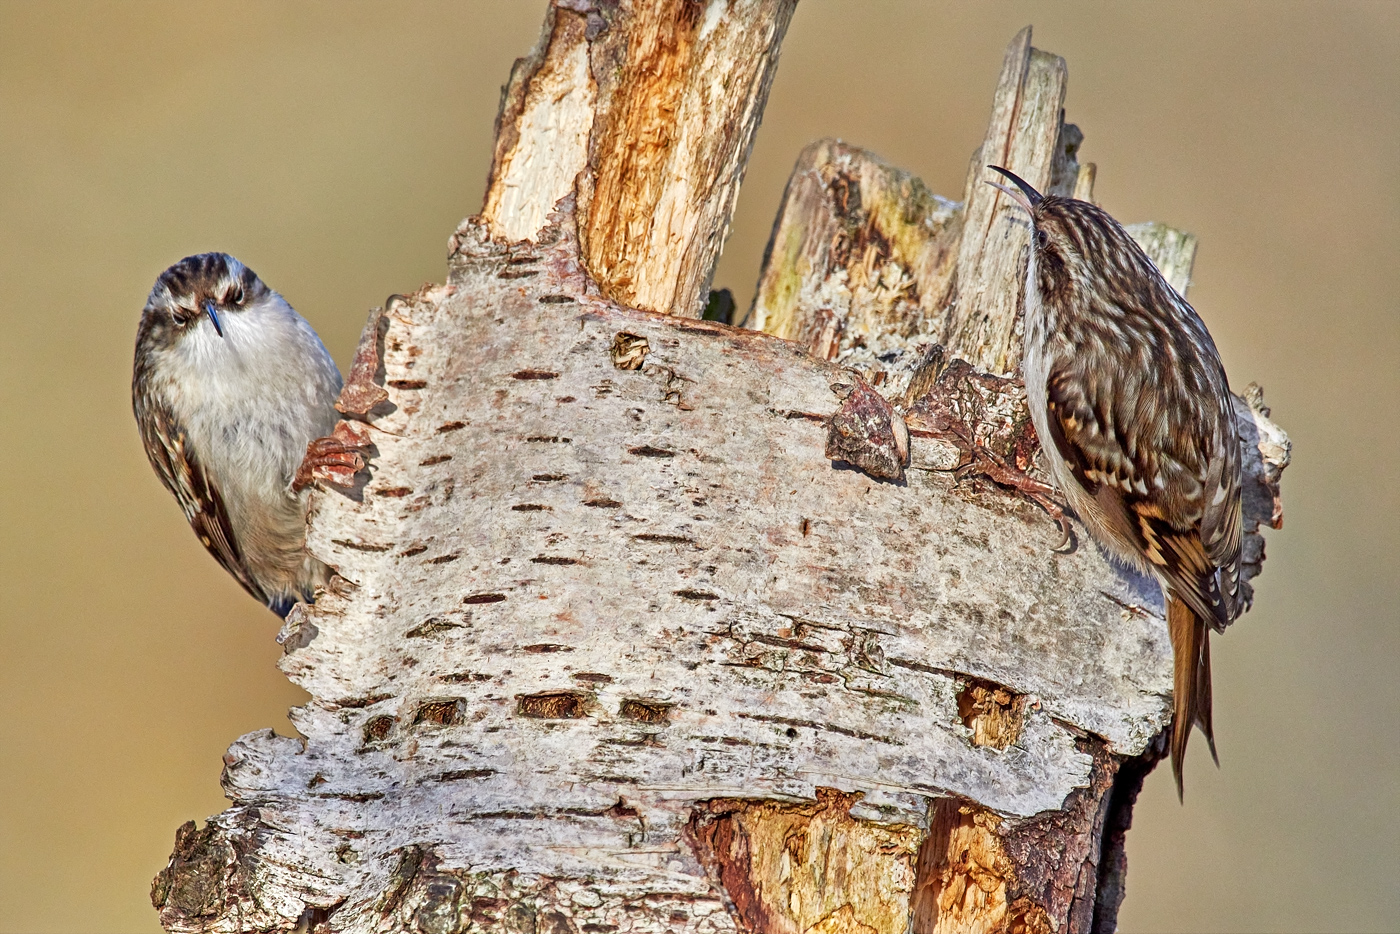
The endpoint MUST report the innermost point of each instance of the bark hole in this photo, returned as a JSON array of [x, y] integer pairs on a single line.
[[645, 711], [553, 705], [807, 867], [377, 729], [993, 713], [629, 351], [446, 712]]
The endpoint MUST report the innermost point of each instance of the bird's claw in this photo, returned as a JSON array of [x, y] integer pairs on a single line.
[[988, 463], [334, 459]]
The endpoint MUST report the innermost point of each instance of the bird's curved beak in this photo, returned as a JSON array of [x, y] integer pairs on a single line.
[[1027, 197], [214, 317]]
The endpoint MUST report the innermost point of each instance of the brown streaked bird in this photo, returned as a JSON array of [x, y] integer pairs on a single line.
[[1133, 410], [233, 392]]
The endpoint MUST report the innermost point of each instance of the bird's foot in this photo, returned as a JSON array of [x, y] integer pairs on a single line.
[[989, 464], [334, 459]]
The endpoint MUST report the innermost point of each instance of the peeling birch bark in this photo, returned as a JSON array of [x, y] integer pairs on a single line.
[[646, 623]]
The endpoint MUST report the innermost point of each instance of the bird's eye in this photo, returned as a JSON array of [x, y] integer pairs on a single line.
[[1041, 238], [235, 295]]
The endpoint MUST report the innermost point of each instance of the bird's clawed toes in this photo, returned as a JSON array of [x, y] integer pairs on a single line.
[[1068, 542], [334, 459]]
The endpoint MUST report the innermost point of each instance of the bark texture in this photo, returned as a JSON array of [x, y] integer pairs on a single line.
[[647, 623]]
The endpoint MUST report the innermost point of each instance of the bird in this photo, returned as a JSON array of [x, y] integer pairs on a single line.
[[1132, 407], [234, 394]]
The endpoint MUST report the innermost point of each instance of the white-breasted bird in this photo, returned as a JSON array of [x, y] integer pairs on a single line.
[[229, 386]]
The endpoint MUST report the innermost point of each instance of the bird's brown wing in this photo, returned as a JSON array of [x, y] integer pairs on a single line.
[[1159, 471], [1168, 478], [175, 463], [1222, 522]]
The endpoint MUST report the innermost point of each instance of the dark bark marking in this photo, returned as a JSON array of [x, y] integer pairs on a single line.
[[360, 546], [827, 727], [646, 450], [458, 775], [483, 598], [431, 626], [359, 703], [377, 729]]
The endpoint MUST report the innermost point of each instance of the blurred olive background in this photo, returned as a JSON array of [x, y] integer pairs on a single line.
[[333, 147]]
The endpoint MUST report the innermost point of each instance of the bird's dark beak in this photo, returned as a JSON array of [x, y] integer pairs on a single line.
[[214, 317], [1027, 197]]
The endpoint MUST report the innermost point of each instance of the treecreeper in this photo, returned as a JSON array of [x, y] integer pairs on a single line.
[[235, 394], [1132, 407]]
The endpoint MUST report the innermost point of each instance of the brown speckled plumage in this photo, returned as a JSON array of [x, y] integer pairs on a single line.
[[1133, 410], [229, 385]]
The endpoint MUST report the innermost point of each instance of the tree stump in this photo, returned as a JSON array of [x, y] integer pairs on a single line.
[[648, 623]]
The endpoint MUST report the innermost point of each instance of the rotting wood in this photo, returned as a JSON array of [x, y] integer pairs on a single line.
[[645, 112], [619, 643], [791, 868], [862, 255]]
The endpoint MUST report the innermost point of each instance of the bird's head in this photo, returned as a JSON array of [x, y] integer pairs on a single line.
[[202, 291], [1075, 242]]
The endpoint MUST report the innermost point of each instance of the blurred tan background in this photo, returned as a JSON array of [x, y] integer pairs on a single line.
[[333, 147]]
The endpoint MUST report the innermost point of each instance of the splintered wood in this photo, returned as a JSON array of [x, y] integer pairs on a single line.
[[644, 623], [648, 126]]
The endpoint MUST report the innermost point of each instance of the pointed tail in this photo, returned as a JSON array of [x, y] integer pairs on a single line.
[[1191, 695]]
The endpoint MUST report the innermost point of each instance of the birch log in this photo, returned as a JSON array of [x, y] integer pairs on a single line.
[[614, 644]]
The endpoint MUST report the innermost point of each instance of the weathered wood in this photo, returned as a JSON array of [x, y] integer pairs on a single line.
[[861, 258], [865, 264], [621, 640], [1024, 136], [645, 112]]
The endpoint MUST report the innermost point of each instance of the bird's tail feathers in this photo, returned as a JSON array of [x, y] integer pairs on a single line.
[[1191, 695]]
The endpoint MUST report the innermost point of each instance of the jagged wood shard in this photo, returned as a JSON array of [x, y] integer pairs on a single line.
[[645, 112]]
